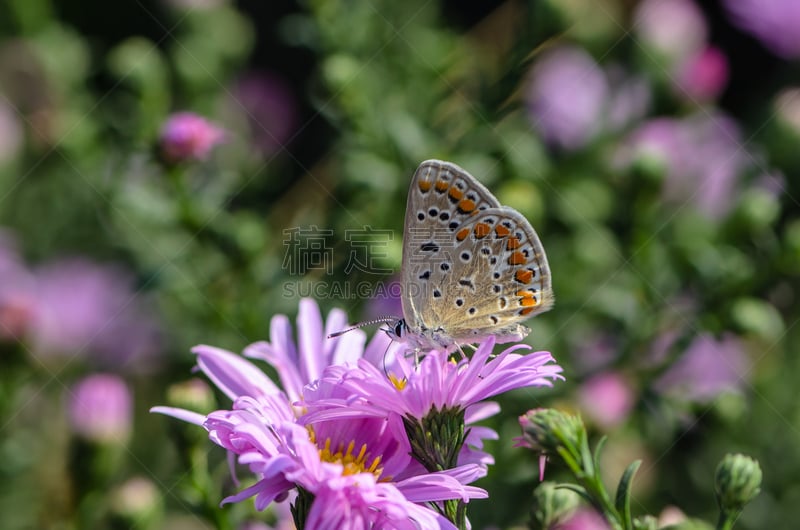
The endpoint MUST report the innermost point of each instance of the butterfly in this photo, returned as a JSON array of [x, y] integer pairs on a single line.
[[471, 268]]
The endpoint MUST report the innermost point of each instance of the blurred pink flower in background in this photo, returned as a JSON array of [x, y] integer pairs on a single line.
[[270, 108], [629, 98], [670, 515], [101, 409], [704, 75], [773, 22], [186, 136], [606, 399], [706, 369], [11, 133], [787, 108], [16, 301], [595, 352], [701, 156], [567, 96], [585, 519], [136, 498], [89, 309], [675, 29]]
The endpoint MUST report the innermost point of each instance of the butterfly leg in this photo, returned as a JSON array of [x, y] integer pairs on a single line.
[[460, 351]]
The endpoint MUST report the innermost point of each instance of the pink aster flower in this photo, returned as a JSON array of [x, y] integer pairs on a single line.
[[349, 467], [298, 363], [436, 391], [358, 467], [438, 383], [302, 362], [186, 136]]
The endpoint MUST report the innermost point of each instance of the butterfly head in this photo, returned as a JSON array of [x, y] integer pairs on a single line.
[[397, 330]]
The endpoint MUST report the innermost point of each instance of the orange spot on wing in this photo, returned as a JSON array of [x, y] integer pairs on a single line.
[[424, 186], [525, 311], [528, 301], [482, 230], [441, 185], [455, 193], [524, 276], [512, 243], [517, 258], [466, 205], [462, 234], [501, 231]]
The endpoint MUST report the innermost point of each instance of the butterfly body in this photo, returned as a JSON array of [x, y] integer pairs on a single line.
[[472, 268]]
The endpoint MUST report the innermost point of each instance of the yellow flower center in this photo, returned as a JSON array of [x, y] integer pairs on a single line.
[[353, 463], [398, 383]]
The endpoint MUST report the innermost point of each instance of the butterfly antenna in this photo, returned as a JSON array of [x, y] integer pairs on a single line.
[[385, 353], [379, 320]]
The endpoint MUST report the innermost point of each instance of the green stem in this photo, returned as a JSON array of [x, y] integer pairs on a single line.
[[205, 486], [456, 512], [193, 220], [586, 471], [726, 520]]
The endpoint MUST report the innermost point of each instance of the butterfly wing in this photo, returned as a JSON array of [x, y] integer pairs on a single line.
[[441, 199], [499, 277], [479, 269]]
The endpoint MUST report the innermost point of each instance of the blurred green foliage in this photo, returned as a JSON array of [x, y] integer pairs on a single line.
[[639, 272]]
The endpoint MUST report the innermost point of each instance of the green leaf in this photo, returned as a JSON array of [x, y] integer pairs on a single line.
[[596, 456], [623, 500]]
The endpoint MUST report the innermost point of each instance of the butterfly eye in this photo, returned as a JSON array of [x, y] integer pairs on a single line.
[[399, 328]]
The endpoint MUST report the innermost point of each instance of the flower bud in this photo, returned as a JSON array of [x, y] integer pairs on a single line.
[[546, 430], [646, 522], [690, 524], [738, 481], [553, 505], [194, 395], [186, 136], [136, 502]]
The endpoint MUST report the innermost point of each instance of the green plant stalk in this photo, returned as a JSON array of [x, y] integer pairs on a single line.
[[581, 463], [202, 482], [726, 520]]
